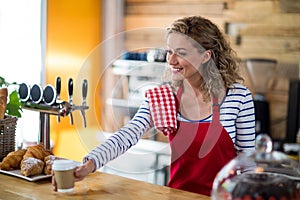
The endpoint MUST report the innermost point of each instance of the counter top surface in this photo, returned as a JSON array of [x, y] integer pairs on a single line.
[[98, 185]]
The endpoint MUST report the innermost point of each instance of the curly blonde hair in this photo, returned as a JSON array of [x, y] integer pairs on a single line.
[[221, 72]]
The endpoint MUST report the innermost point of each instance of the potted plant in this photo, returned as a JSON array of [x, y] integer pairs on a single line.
[[9, 106]]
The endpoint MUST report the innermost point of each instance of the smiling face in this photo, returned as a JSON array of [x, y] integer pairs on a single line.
[[184, 58], [200, 56]]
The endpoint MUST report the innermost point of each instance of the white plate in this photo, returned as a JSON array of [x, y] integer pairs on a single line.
[[17, 173]]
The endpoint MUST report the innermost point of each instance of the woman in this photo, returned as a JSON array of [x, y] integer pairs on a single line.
[[214, 113]]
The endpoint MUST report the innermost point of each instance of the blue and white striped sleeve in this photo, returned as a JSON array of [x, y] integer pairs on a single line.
[[119, 142], [245, 124]]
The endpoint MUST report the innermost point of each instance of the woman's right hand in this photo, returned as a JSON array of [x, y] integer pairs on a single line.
[[83, 170], [79, 173]]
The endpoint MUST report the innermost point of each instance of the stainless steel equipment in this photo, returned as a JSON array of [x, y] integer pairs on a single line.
[[293, 116], [59, 108], [260, 71], [70, 90], [24, 92], [36, 93], [58, 88], [49, 94]]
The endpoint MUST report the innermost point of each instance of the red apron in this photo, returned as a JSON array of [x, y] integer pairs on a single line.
[[199, 151]]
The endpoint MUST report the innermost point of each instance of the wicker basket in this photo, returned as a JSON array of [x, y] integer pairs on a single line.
[[7, 135]]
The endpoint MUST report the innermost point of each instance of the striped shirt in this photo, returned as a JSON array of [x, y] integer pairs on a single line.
[[236, 116]]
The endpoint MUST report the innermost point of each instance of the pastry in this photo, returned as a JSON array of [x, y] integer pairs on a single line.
[[48, 160], [3, 101], [31, 166], [264, 186], [12, 160], [37, 151]]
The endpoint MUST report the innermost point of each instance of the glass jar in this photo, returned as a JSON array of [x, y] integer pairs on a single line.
[[260, 175]]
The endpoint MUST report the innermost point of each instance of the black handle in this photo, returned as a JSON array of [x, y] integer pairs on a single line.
[[58, 85], [70, 87], [84, 88]]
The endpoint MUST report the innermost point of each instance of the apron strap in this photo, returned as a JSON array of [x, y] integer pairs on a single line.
[[214, 130], [216, 109]]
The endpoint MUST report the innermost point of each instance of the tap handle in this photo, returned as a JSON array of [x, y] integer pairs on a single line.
[[58, 89], [70, 87], [84, 89], [58, 85]]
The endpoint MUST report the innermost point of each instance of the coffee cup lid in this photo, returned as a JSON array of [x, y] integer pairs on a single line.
[[61, 165]]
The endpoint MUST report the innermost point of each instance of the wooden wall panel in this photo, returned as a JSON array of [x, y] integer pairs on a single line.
[[271, 44], [250, 10], [269, 29], [175, 8], [289, 6], [139, 38]]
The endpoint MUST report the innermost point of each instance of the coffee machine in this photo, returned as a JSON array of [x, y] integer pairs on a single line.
[[260, 70]]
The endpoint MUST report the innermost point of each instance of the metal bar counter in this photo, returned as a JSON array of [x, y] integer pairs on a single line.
[[97, 185]]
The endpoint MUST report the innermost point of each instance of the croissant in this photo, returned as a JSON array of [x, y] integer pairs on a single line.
[[48, 160], [13, 160], [31, 166], [37, 151]]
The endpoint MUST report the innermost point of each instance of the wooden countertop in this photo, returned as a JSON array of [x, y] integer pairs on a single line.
[[98, 185]]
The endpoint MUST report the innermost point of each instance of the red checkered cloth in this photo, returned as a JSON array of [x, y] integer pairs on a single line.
[[163, 108]]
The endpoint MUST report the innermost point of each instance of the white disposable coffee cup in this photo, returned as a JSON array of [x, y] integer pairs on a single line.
[[64, 175]]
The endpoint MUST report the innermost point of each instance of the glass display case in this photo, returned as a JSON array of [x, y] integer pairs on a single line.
[[263, 174]]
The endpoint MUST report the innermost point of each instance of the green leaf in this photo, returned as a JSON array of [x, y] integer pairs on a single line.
[[14, 106], [2, 81]]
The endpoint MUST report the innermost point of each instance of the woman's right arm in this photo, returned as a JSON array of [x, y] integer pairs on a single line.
[[119, 142]]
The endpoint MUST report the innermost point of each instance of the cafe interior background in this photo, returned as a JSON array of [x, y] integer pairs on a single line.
[[113, 44]]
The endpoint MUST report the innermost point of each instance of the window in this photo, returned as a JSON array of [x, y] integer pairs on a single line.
[[21, 53]]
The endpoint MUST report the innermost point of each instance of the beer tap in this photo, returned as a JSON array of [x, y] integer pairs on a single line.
[[59, 107], [70, 90], [58, 88], [84, 94], [83, 106]]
